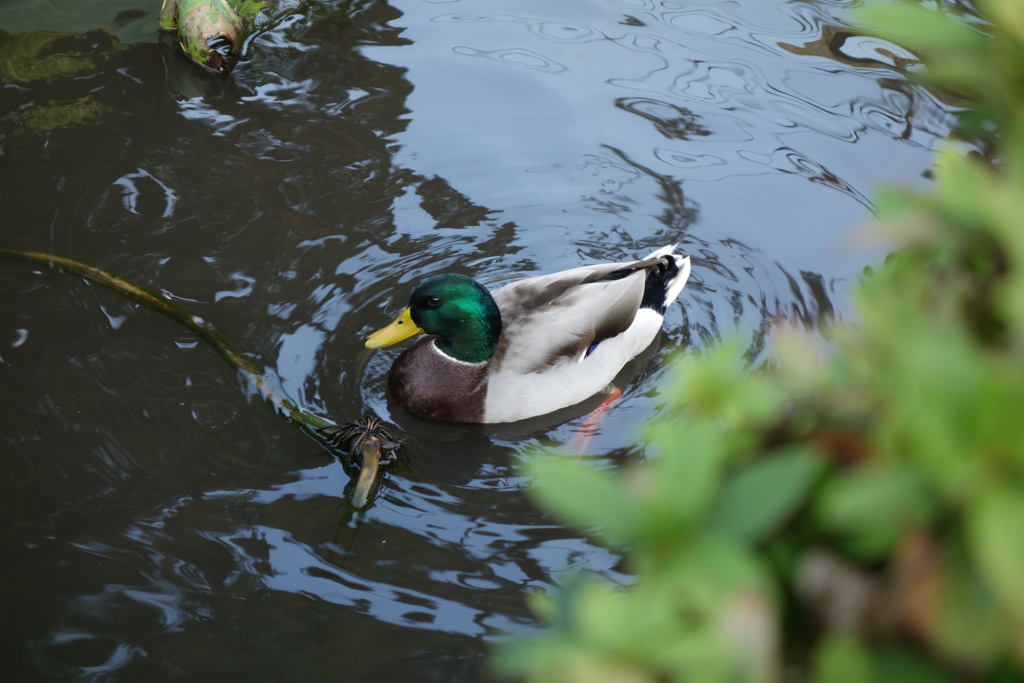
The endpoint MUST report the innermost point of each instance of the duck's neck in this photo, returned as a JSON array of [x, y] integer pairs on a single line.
[[476, 337]]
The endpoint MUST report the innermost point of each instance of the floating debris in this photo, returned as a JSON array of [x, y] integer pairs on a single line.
[[369, 446]]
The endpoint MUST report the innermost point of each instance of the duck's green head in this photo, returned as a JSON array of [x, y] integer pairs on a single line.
[[457, 309]]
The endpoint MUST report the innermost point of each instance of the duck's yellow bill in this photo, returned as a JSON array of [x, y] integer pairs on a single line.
[[401, 328]]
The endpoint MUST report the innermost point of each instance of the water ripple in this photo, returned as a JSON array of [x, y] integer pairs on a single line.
[[515, 57], [548, 30], [362, 147], [669, 119]]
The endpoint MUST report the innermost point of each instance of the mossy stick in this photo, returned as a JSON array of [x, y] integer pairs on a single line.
[[265, 385]]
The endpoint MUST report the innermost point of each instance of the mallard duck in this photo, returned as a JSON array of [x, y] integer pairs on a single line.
[[531, 347]]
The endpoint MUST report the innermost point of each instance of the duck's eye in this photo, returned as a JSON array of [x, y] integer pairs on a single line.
[[433, 301]]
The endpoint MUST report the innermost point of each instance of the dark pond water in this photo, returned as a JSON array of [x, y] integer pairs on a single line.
[[158, 523]]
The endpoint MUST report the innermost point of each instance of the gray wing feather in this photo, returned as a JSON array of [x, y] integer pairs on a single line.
[[556, 317]]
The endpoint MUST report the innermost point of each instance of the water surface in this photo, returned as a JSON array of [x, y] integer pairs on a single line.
[[158, 523]]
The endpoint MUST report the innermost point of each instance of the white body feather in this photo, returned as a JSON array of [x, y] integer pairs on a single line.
[[518, 395]]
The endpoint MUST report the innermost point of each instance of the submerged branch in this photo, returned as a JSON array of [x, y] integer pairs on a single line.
[[366, 440]]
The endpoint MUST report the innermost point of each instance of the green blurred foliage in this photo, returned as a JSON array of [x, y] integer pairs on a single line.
[[850, 516]]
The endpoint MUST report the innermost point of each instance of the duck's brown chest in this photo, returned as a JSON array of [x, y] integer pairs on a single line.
[[436, 388]]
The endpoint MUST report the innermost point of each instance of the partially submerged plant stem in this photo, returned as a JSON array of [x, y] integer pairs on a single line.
[[375, 446], [368, 437]]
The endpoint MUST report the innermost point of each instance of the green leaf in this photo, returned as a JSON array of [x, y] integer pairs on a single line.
[[708, 385], [624, 623], [580, 494], [956, 55], [996, 533], [763, 495], [842, 659], [966, 626], [931, 32], [1008, 15], [892, 665], [678, 486], [873, 507]]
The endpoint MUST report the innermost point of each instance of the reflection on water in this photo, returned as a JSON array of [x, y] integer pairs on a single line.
[[158, 523]]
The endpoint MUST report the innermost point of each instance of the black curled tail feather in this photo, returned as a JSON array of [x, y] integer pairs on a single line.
[[659, 278]]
